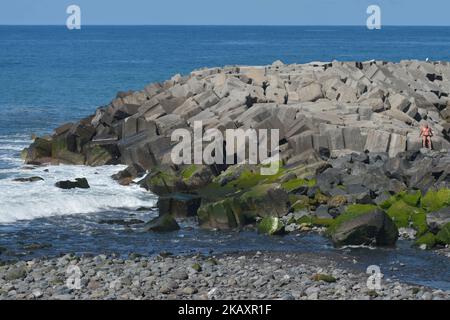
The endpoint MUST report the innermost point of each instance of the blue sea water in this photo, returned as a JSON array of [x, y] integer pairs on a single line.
[[50, 75]]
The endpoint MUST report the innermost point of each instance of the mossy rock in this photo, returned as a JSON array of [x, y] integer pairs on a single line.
[[320, 198], [23, 154], [385, 205], [337, 201], [302, 203], [246, 176], [39, 149], [265, 200], [428, 239], [187, 172], [435, 200], [443, 236], [411, 198], [164, 181], [68, 157], [363, 224], [221, 215], [196, 176], [295, 184], [324, 277], [197, 267], [315, 221], [271, 226], [404, 215], [98, 156], [353, 211]]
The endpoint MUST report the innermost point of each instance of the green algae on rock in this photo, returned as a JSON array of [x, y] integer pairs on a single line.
[[363, 225]]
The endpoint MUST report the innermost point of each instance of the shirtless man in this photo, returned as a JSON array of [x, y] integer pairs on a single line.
[[426, 133]]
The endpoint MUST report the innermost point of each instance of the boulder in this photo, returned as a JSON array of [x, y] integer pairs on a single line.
[[163, 223], [40, 149], [179, 205], [377, 141], [271, 226], [443, 236], [130, 173], [363, 225], [399, 102], [81, 183], [438, 219], [30, 179], [397, 144], [101, 154], [311, 92], [353, 139]]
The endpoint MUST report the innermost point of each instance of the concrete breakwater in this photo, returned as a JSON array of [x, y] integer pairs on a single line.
[[351, 154]]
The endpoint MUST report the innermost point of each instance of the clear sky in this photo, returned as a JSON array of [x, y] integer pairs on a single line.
[[226, 12]]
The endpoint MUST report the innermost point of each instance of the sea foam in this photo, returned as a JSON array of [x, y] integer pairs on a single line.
[[29, 200]]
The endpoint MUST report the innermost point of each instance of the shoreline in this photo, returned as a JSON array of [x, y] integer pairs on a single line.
[[252, 275]]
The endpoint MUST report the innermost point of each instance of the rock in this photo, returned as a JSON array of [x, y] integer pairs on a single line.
[[179, 204], [443, 235], [40, 149], [363, 225], [436, 199], [100, 155], [426, 241], [438, 219], [126, 176], [353, 139], [121, 222], [30, 179], [189, 291], [15, 273], [377, 141], [324, 277], [163, 223], [311, 92], [81, 183], [399, 102], [397, 144], [164, 180], [271, 226], [337, 201]]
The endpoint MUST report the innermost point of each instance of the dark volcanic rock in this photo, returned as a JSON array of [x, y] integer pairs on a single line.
[[81, 183], [363, 225], [164, 223], [30, 179]]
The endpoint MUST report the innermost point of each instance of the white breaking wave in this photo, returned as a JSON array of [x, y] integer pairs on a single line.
[[29, 200]]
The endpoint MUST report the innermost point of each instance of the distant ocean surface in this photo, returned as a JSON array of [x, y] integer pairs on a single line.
[[50, 75]]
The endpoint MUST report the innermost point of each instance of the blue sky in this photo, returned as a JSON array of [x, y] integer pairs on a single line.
[[226, 12]]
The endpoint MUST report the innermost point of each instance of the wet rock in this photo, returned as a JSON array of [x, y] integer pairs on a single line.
[[363, 225], [271, 226], [39, 150], [126, 176], [436, 220], [164, 223], [121, 222], [81, 183], [30, 179], [179, 204]]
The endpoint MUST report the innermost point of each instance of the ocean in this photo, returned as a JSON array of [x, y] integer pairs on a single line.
[[50, 75]]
